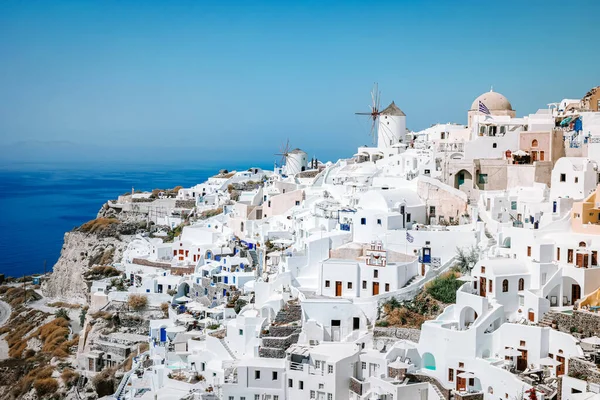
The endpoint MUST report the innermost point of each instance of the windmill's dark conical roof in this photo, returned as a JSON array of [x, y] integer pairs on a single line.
[[393, 109]]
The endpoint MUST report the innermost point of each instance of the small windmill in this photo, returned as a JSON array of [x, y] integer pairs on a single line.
[[284, 152], [374, 111]]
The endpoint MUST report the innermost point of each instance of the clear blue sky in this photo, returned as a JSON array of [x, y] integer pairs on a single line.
[[199, 77]]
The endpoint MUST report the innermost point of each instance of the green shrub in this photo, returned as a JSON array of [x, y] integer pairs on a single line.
[[62, 313], [383, 324], [443, 288]]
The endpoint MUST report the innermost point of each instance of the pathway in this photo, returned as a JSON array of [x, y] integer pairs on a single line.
[[4, 315]]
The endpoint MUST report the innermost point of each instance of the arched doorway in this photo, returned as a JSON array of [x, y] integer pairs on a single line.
[[467, 317], [463, 176], [429, 361]]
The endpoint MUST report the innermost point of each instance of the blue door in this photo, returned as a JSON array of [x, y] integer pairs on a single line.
[[553, 206], [225, 279], [224, 292], [163, 334]]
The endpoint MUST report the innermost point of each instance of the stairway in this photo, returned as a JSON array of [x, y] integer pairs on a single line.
[[254, 257], [439, 393], [228, 349], [411, 280], [546, 320], [282, 333]]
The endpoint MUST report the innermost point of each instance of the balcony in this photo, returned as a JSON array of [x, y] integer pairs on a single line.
[[451, 147], [357, 386]]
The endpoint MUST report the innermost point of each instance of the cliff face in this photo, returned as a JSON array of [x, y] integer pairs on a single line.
[[79, 253], [98, 242]]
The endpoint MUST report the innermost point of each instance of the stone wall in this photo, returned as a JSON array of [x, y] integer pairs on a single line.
[[148, 263], [584, 370], [397, 334], [586, 323], [185, 203]]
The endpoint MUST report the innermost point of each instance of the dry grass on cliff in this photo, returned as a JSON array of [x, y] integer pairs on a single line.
[[102, 271], [62, 304], [16, 296], [137, 302], [98, 225], [69, 377], [45, 386]]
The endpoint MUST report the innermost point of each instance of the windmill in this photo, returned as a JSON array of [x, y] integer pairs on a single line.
[[284, 152], [374, 110]]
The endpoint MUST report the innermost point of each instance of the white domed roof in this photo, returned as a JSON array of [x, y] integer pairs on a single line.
[[494, 101]]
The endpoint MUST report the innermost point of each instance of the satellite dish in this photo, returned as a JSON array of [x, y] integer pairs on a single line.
[[380, 345]]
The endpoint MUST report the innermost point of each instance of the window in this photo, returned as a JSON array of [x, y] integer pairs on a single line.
[[274, 375], [594, 257], [494, 145], [521, 284], [450, 375], [355, 323], [241, 332], [327, 284], [231, 397], [482, 269], [483, 179], [576, 179], [522, 343], [269, 203], [558, 254], [330, 369], [257, 397], [528, 251], [256, 375], [387, 287], [542, 156], [563, 177], [321, 386], [490, 286], [378, 221], [290, 383], [297, 202], [375, 273], [301, 385], [363, 365], [329, 396], [534, 143], [363, 221], [275, 397], [364, 286], [312, 394], [513, 205], [349, 285], [432, 211], [408, 217], [461, 365], [317, 364], [505, 285], [570, 256], [427, 172]]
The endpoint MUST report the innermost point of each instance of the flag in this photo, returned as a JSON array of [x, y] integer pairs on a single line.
[[409, 238], [483, 108]]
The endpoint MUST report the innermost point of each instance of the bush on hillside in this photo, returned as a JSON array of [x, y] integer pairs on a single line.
[[444, 287], [137, 302]]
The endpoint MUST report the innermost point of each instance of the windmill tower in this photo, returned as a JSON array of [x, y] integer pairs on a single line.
[[392, 126], [292, 161], [388, 127]]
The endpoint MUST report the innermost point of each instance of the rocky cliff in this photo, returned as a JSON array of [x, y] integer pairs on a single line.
[[79, 253], [98, 242]]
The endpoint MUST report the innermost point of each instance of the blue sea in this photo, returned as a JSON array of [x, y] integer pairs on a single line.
[[39, 203]]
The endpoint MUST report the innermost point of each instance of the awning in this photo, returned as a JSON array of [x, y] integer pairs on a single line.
[[566, 121]]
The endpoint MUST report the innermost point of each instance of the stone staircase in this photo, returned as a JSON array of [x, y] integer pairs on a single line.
[[282, 333], [411, 280], [254, 257], [546, 319], [231, 353]]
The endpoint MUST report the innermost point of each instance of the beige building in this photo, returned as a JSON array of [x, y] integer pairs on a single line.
[[495, 102], [586, 214], [591, 100]]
